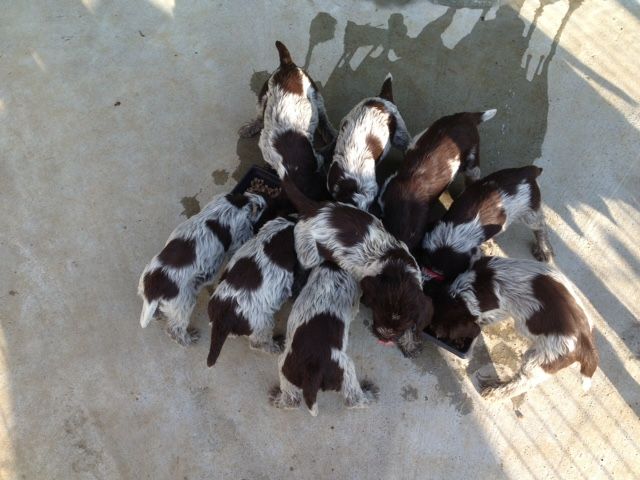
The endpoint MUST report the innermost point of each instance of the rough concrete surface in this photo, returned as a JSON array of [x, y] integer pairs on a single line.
[[119, 118]]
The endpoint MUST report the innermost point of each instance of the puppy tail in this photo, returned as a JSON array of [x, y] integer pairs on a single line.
[[589, 360], [487, 115], [148, 311], [303, 204], [285, 56], [386, 91], [310, 387], [218, 337]]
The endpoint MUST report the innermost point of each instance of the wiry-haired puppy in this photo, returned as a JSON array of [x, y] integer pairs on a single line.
[[358, 243], [431, 162], [170, 283], [546, 308], [293, 109], [253, 287], [315, 355], [364, 139], [483, 210]]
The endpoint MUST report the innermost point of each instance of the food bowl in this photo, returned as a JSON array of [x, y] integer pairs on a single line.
[[460, 351], [258, 176]]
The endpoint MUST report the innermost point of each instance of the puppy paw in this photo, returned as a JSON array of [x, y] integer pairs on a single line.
[[359, 402], [411, 350], [280, 399], [184, 337], [250, 129], [370, 389], [542, 253]]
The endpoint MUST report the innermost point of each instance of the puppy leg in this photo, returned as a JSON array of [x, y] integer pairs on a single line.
[[306, 246], [530, 375], [287, 395], [262, 338], [178, 315], [355, 396], [409, 343], [542, 249]]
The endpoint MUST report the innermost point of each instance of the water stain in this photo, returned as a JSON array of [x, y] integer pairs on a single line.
[[409, 393], [13, 293], [220, 176], [448, 379], [191, 206], [432, 80]]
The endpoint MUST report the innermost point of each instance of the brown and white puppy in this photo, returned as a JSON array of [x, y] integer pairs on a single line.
[[315, 354], [170, 283], [546, 308], [253, 287], [364, 139], [482, 211], [357, 241], [431, 163], [294, 80], [293, 109]]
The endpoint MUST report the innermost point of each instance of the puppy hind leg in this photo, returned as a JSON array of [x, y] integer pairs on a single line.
[[306, 247], [542, 249], [262, 338], [178, 317], [529, 376], [355, 396], [286, 395]]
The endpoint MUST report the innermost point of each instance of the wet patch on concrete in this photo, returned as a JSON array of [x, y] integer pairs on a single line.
[[13, 293], [448, 379], [503, 355], [191, 206], [409, 393], [220, 176]]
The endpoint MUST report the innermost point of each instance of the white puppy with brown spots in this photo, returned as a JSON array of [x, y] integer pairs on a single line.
[[170, 283], [546, 308], [364, 139], [293, 110], [315, 356], [253, 287]]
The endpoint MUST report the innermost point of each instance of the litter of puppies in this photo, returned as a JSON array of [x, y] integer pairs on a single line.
[[331, 225]]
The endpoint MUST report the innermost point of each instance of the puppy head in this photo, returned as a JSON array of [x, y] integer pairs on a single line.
[[452, 319], [397, 304], [445, 263]]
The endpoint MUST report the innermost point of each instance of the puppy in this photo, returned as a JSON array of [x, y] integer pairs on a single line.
[[293, 109], [315, 355], [431, 162], [546, 308], [294, 80], [170, 283], [359, 244], [483, 210], [253, 286], [365, 137]]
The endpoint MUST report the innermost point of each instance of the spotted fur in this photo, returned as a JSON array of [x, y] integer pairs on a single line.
[[484, 210], [254, 285], [364, 139], [170, 283], [547, 309], [359, 244], [315, 355]]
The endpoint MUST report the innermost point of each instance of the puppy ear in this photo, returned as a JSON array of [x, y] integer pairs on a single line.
[[369, 287], [425, 314]]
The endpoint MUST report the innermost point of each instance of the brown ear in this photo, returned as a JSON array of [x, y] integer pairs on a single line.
[[369, 287], [425, 314]]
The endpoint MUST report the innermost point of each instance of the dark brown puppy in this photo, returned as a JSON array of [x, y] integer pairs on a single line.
[[431, 162]]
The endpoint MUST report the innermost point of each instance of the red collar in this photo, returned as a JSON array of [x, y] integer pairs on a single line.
[[434, 275]]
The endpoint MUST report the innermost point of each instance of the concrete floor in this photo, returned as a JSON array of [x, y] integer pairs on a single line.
[[119, 118]]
